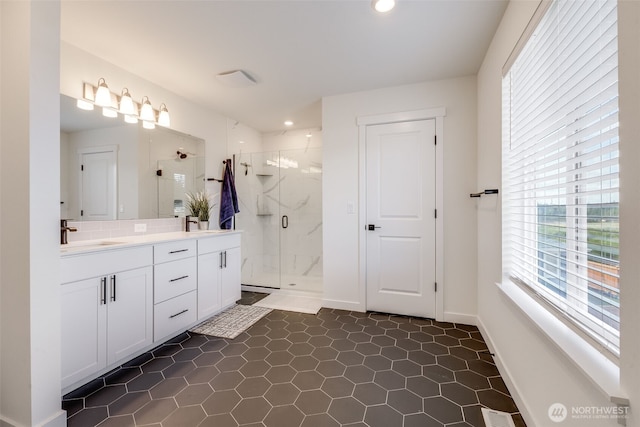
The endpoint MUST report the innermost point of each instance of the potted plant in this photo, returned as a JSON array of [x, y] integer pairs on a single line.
[[200, 206]]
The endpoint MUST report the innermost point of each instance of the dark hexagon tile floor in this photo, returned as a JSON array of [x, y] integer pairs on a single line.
[[336, 368]]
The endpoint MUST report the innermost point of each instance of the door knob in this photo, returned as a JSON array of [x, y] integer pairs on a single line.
[[372, 227]]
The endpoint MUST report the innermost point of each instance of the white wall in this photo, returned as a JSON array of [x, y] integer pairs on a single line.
[[540, 374], [30, 148], [340, 185]]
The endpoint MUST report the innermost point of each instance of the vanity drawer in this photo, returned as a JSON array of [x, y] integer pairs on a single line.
[[174, 315], [174, 278], [171, 251], [218, 243], [84, 266]]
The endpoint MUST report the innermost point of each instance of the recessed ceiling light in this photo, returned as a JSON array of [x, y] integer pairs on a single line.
[[383, 6], [288, 123]]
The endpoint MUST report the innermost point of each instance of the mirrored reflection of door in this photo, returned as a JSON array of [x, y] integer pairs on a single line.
[[98, 185]]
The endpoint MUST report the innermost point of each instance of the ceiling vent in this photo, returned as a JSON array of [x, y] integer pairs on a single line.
[[237, 78], [496, 418]]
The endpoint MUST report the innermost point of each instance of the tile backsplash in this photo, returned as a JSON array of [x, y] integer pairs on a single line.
[[92, 230]]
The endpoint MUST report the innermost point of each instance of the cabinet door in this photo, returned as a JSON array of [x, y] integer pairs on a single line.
[[230, 287], [209, 266], [83, 334], [130, 313]]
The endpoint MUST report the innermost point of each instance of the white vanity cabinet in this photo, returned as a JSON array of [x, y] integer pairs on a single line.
[[218, 273], [107, 309], [175, 287]]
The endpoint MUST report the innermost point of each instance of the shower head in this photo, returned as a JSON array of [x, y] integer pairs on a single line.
[[181, 155], [246, 167]]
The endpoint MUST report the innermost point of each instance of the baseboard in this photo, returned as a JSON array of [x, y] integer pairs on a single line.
[[506, 375], [57, 420], [465, 319]]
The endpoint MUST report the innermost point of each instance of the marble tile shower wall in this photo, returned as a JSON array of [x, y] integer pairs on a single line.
[[92, 230], [266, 194]]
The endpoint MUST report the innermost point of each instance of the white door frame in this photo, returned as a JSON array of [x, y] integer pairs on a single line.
[[438, 115]]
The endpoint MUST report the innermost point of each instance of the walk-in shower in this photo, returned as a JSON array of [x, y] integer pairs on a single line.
[[280, 196]]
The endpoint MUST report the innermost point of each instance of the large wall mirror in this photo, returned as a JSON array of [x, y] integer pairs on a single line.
[[112, 170]]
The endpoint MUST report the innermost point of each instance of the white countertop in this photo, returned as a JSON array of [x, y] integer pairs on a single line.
[[86, 246]]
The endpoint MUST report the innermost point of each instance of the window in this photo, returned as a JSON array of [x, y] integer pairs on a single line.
[[560, 165]]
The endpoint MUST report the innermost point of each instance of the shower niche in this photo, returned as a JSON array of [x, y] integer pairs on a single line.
[[280, 196]]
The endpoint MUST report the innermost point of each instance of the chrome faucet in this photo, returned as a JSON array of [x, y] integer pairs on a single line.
[[63, 231], [187, 223]]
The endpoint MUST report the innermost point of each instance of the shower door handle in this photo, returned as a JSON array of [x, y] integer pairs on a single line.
[[285, 221]]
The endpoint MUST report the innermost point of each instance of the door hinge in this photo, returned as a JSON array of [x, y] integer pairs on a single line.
[[435, 287], [435, 213]]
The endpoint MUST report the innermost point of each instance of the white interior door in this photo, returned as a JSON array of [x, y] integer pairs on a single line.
[[401, 223], [98, 185]]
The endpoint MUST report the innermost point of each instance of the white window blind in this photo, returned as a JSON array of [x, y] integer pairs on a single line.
[[560, 166]]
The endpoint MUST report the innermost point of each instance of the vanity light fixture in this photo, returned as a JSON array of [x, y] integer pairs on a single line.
[[146, 111], [383, 6], [127, 107], [163, 116], [103, 95], [123, 104]]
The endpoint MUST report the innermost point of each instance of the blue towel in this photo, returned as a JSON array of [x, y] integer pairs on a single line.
[[228, 198]]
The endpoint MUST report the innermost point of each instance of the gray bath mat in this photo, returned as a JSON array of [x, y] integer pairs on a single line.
[[231, 322]]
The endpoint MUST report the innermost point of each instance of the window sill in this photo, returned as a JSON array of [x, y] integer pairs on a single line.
[[602, 371]]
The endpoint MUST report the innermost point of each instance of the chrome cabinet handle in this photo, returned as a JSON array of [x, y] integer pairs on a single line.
[[179, 313], [221, 264], [103, 290], [113, 288], [178, 251], [285, 221], [179, 278], [225, 259]]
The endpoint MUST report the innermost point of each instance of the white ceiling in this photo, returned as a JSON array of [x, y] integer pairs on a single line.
[[297, 50]]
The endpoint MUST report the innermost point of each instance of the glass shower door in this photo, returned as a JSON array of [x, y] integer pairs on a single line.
[[280, 196], [300, 219], [256, 180]]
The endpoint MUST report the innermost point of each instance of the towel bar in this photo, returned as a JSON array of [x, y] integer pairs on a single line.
[[488, 191]]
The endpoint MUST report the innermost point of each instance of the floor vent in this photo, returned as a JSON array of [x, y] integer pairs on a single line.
[[496, 418]]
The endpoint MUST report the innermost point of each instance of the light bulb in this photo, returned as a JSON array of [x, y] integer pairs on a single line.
[[383, 6]]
